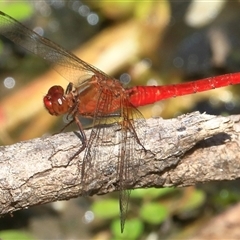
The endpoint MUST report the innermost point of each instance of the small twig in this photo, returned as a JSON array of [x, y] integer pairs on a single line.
[[190, 149]]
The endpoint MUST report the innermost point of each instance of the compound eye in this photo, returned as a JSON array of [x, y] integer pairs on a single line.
[[54, 101], [55, 90]]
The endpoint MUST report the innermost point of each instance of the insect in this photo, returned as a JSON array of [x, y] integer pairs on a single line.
[[93, 94]]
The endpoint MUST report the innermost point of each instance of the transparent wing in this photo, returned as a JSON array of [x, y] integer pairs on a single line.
[[67, 64], [131, 133], [117, 141]]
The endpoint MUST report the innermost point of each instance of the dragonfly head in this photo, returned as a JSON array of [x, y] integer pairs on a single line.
[[55, 101]]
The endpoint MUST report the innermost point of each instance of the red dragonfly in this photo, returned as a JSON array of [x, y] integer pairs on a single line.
[[92, 93]]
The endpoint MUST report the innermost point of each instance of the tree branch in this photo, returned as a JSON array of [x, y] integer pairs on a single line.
[[190, 149]]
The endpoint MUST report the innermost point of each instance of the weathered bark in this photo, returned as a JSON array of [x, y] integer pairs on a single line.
[[190, 149]]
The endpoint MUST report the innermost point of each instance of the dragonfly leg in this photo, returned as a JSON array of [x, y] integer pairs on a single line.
[[81, 135]]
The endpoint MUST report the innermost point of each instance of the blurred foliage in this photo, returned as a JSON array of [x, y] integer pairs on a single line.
[[133, 230], [149, 208], [105, 209], [20, 10], [15, 234], [154, 213], [152, 193]]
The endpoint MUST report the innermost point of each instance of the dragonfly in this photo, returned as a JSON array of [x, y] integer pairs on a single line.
[[93, 94]]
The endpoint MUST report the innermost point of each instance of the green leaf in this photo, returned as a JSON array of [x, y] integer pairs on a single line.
[[14, 234], [154, 213], [20, 10], [196, 200], [133, 229], [106, 209]]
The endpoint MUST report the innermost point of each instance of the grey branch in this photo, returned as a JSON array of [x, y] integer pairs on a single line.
[[183, 151]]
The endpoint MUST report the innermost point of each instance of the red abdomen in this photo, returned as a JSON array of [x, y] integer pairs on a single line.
[[143, 95]]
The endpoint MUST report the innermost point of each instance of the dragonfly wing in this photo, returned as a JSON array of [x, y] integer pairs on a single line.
[[67, 64], [120, 139], [133, 135], [124, 196]]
